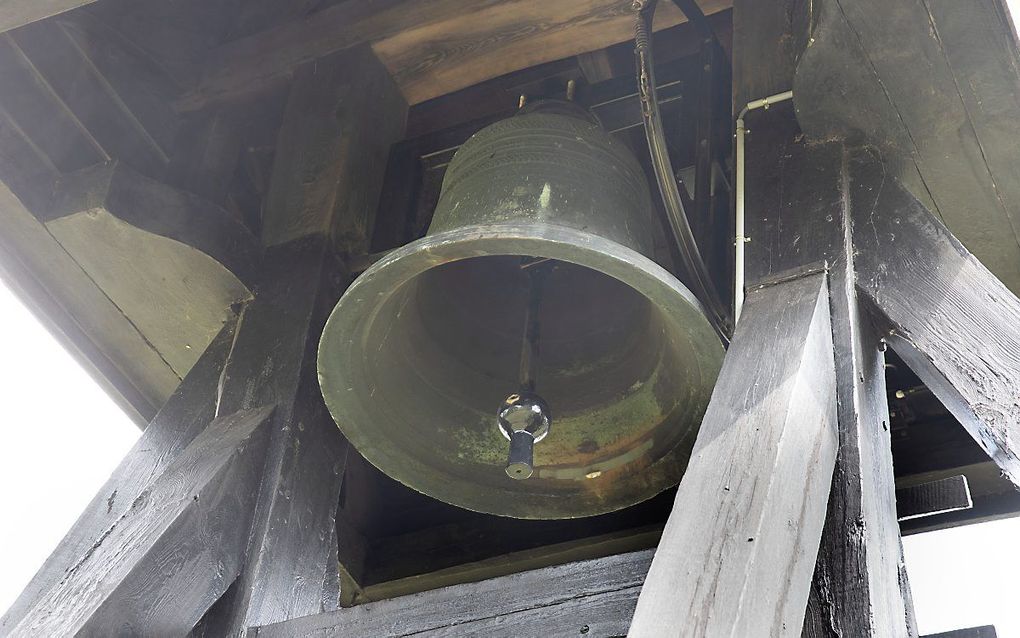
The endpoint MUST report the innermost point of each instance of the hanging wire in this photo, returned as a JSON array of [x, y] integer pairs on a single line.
[[701, 282]]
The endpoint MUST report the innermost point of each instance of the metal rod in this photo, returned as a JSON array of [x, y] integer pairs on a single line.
[[741, 238], [536, 271]]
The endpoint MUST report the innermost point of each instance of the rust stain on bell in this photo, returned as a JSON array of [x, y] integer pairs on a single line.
[[628, 358]]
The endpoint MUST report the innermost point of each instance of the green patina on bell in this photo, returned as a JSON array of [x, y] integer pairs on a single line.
[[425, 346]]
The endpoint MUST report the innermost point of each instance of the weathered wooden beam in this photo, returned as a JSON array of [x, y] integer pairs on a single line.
[[173, 263], [75, 309], [333, 122], [172, 551], [945, 133], [985, 631], [758, 479], [188, 411], [431, 48], [593, 598], [947, 316], [16, 13], [796, 205], [343, 114], [796, 211]]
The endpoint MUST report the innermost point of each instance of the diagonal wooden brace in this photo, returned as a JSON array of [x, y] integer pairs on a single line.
[[738, 551], [954, 323], [170, 555]]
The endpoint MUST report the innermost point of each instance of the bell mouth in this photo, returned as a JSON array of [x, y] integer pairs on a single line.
[[420, 351]]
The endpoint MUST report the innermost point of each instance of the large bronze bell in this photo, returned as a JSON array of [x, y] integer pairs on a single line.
[[530, 312]]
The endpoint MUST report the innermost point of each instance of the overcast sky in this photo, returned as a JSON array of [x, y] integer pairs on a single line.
[[62, 436]]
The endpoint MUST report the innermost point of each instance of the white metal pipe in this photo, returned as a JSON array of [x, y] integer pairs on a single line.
[[741, 238]]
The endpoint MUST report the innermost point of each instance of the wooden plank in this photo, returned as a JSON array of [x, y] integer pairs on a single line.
[[183, 417], [16, 13], [172, 551], [81, 88], [432, 47], [759, 479], [452, 51], [947, 316], [340, 131], [603, 615], [572, 595], [934, 497]]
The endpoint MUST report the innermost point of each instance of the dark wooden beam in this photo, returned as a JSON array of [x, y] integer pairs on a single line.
[[321, 170], [185, 415], [796, 215], [947, 316], [944, 133], [758, 478], [16, 13], [593, 598], [343, 115], [431, 48], [172, 551]]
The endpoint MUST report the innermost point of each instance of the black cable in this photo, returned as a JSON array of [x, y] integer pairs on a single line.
[[704, 289]]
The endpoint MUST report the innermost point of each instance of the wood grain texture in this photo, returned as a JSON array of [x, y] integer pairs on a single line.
[[554, 601], [16, 13], [56, 288], [291, 548], [173, 551], [985, 631], [797, 213], [933, 84], [100, 81], [431, 47], [758, 479], [948, 317], [174, 264], [188, 411], [318, 175], [342, 116]]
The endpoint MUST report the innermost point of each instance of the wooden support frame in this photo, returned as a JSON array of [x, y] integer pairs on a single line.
[[759, 477], [175, 543], [281, 553], [592, 598], [946, 315], [183, 417], [323, 169]]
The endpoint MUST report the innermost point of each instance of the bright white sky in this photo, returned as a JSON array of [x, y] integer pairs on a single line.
[[62, 436]]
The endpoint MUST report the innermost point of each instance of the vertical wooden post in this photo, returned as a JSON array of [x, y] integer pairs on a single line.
[[799, 212], [343, 114]]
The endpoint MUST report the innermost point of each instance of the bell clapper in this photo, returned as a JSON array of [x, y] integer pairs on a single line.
[[524, 417]]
